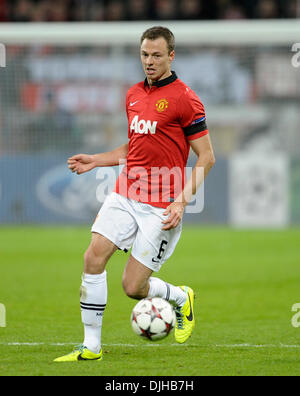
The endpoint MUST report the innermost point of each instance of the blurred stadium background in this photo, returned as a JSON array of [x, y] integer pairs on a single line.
[[63, 92]]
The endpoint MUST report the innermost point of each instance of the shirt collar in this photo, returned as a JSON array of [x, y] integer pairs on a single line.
[[161, 83]]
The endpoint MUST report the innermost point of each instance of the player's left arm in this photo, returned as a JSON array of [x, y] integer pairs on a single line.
[[202, 147]]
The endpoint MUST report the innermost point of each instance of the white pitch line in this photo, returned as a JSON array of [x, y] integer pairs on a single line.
[[155, 345], [256, 346]]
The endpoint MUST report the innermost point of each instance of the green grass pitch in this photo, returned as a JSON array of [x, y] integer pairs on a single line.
[[246, 284]]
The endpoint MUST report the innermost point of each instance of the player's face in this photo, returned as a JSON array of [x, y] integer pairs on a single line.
[[156, 59]]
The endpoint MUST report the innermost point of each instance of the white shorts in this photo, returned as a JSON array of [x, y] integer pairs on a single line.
[[128, 223]]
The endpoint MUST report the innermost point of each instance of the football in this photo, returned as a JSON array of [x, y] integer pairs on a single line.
[[153, 318]]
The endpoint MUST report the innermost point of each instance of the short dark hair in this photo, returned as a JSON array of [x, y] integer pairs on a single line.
[[159, 31]]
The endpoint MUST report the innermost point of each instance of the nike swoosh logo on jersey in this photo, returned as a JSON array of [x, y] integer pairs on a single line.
[[190, 317], [133, 103]]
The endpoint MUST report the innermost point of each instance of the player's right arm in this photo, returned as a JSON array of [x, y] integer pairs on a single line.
[[81, 163]]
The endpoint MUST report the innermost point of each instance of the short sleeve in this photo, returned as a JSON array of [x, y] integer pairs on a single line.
[[192, 115]]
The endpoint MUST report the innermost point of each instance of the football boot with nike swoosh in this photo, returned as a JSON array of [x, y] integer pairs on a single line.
[[185, 317], [80, 353]]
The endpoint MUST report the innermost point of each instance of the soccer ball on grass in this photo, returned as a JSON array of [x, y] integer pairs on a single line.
[[153, 318]]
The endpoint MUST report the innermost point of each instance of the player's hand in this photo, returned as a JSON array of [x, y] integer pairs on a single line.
[[81, 163], [175, 212]]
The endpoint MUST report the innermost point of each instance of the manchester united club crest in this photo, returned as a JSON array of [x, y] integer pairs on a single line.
[[162, 105]]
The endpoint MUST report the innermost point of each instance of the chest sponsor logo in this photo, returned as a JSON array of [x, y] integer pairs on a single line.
[[162, 105], [142, 126]]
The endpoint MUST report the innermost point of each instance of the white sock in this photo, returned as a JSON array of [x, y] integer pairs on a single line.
[[93, 298], [174, 294], [92, 338]]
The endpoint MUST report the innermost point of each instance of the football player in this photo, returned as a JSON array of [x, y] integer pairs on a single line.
[[144, 212]]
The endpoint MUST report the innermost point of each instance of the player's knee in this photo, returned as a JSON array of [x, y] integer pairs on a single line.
[[93, 264], [88, 260]]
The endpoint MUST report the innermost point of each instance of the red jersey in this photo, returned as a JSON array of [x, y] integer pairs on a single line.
[[161, 122]]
